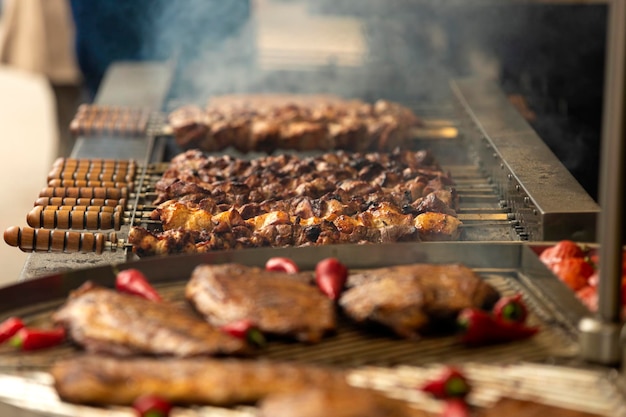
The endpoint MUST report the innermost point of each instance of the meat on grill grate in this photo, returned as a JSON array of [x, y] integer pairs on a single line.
[[410, 299], [270, 122], [276, 302], [104, 321]]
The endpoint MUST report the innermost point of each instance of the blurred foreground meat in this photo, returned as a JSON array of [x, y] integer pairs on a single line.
[[107, 381], [276, 302], [105, 321], [300, 122], [410, 299], [337, 402]]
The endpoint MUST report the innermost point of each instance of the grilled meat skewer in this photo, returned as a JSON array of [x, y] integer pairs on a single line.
[[104, 321], [276, 302]]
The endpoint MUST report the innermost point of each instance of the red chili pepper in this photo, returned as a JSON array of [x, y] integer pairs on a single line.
[[9, 327], [281, 265], [245, 329], [133, 281], [152, 406], [481, 328], [455, 408], [331, 276], [511, 309], [451, 384], [33, 339]]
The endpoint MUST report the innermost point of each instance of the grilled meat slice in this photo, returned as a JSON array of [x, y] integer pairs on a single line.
[[93, 379], [410, 299], [336, 402], [105, 321], [276, 302]]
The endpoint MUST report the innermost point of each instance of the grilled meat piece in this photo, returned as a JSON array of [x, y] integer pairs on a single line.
[[276, 302], [409, 299], [93, 379], [433, 226], [105, 321], [270, 122], [336, 402]]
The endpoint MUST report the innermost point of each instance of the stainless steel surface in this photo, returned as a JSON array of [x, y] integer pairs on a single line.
[[602, 339], [546, 200]]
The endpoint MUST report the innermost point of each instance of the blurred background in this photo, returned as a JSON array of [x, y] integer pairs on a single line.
[[547, 56]]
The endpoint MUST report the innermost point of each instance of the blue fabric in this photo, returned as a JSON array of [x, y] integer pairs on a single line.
[[115, 30]]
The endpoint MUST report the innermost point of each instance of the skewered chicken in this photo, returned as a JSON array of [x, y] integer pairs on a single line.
[[210, 203]]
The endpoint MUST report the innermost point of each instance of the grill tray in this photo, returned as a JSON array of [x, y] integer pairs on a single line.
[[376, 359]]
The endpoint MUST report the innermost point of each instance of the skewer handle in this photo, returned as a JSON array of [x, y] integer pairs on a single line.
[[103, 209], [74, 219], [85, 192], [43, 240], [70, 201], [58, 182]]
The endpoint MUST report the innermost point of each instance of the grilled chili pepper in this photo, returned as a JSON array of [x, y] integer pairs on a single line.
[[451, 384], [9, 327], [331, 276], [481, 328], [133, 281], [245, 329], [511, 309], [33, 339], [152, 406], [456, 408], [282, 265]]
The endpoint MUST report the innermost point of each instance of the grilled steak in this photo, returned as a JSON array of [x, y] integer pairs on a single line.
[[336, 402], [410, 298], [105, 321], [93, 379], [276, 302]]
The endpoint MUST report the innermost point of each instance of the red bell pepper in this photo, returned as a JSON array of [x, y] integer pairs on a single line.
[[281, 265], [481, 328], [511, 309], [331, 276], [451, 384], [9, 327], [34, 339], [152, 406], [133, 281], [245, 329]]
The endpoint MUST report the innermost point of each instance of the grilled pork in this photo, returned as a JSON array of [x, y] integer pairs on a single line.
[[93, 379], [105, 321], [410, 299], [276, 302], [336, 402]]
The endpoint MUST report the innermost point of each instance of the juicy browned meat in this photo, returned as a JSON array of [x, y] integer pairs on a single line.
[[106, 380], [336, 402], [105, 321], [522, 408], [276, 302], [410, 298], [269, 122]]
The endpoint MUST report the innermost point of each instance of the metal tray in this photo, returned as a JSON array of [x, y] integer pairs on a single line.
[[510, 267]]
